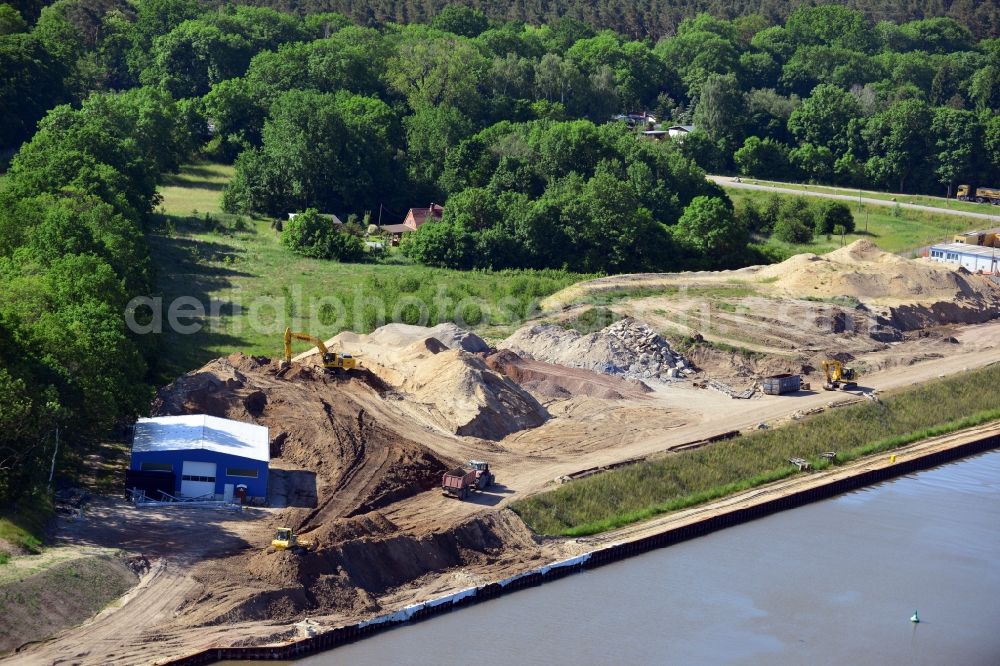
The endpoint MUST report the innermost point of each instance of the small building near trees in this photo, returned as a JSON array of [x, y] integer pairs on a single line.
[[974, 258], [679, 131]]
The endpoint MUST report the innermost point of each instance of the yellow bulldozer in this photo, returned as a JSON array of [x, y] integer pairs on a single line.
[[286, 539], [838, 377], [330, 360]]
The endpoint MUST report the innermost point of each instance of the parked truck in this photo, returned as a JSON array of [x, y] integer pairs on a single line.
[[981, 195], [783, 383], [461, 481]]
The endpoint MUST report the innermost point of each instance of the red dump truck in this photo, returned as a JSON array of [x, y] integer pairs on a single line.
[[460, 481]]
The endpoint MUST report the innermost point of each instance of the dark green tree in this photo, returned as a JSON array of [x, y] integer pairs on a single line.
[[313, 235]]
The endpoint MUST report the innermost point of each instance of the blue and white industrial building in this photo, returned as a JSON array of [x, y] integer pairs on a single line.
[[208, 456], [974, 258]]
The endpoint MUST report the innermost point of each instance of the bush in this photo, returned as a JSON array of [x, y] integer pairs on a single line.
[[833, 214], [591, 320], [312, 235], [792, 230]]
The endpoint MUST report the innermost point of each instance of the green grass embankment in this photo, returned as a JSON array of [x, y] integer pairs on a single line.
[[23, 526], [681, 480], [41, 595]]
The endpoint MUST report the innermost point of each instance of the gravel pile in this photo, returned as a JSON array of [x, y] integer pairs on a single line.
[[627, 347]]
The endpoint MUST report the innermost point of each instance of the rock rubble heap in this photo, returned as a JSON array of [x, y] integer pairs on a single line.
[[627, 348], [641, 353]]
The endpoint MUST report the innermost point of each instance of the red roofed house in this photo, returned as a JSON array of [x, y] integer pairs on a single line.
[[416, 217]]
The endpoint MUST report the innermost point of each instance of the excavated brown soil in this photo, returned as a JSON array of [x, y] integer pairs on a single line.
[[359, 560], [317, 429], [557, 381]]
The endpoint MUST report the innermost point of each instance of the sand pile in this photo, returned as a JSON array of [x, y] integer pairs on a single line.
[[862, 270], [453, 336], [626, 347], [558, 381], [460, 393], [335, 449]]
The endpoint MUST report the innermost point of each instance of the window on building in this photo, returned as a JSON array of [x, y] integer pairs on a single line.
[[242, 471], [953, 256], [189, 477], [156, 467]]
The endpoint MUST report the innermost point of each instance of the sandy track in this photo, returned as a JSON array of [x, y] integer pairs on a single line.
[[174, 538], [729, 181]]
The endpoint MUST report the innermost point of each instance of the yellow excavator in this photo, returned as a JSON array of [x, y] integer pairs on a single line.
[[838, 377], [286, 539], [331, 360]]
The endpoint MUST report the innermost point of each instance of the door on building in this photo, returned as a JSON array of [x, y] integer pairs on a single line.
[[197, 479]]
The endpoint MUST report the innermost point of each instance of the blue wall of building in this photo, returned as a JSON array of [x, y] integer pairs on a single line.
[[255, 487]]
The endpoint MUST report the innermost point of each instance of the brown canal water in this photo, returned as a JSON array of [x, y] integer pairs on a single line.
[[833, 582]]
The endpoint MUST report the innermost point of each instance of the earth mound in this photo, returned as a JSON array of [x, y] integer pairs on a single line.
[[458, 392], [367, 559], [317, 428], [861, 270], [453, 336]]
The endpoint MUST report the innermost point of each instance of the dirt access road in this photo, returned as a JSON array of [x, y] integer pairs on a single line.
[[173, 539], [730, 181]]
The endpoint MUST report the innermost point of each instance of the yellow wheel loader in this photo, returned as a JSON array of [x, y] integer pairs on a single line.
[[285, 539]]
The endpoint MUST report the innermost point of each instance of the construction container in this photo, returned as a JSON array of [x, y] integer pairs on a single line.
[[783, 383]]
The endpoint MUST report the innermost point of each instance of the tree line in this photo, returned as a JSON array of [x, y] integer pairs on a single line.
[[645, 19], [74, 207]]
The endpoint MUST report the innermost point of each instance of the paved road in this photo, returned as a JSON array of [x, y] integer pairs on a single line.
[[729, 181]]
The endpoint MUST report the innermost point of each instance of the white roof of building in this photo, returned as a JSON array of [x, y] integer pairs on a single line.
[[199, 431], [330, 216], [970, 250]]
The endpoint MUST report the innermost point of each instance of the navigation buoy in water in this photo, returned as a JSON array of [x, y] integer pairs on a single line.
[[915, 619]]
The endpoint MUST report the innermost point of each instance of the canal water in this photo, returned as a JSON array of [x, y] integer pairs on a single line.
[[833, 582]]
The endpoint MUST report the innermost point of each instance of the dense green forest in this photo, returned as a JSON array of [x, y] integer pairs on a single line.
[[505, 115], [647, 19]]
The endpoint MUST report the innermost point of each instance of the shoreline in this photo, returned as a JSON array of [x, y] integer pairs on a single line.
[[640, 538]]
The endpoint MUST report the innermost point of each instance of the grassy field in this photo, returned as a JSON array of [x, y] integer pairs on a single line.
[[892, 230], [251, 287], [920, 199], [676, 481]]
